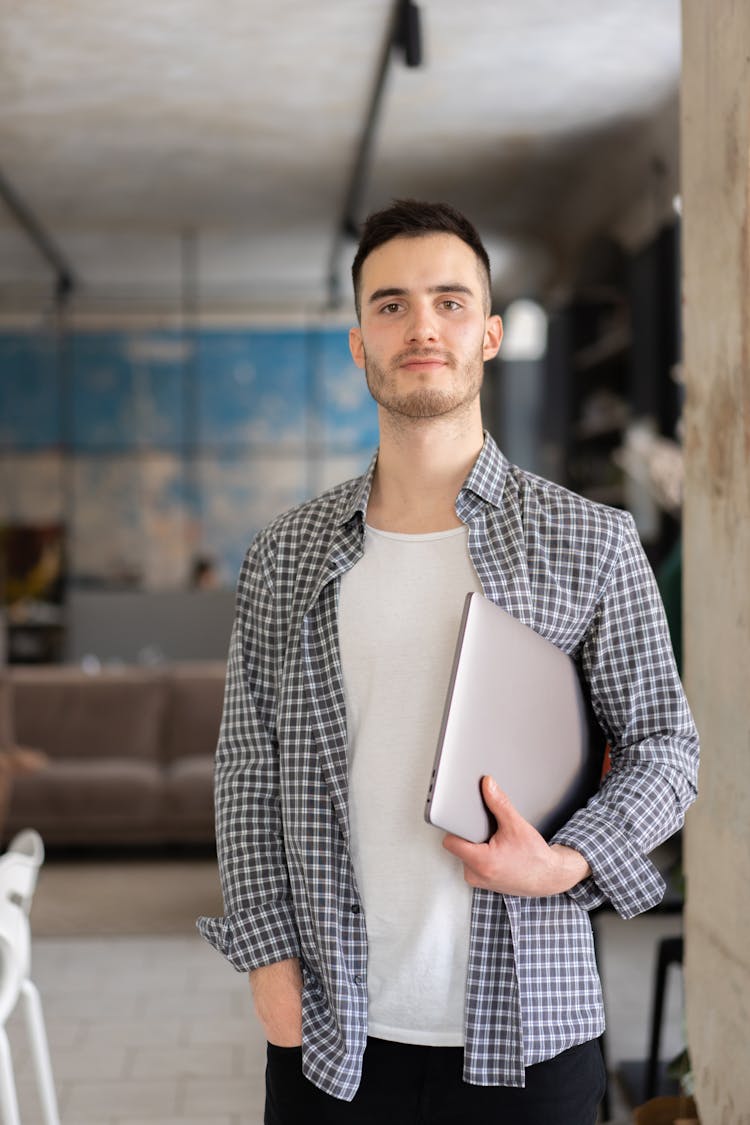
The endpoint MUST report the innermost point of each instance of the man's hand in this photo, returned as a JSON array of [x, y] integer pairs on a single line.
[[517, 860], [277, 994]]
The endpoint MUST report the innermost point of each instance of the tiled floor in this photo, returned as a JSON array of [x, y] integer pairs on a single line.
[[143, 1030], [159, 1031]]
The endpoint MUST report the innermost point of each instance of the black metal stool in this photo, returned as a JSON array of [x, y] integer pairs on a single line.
[[670, 953], [605, 1105]]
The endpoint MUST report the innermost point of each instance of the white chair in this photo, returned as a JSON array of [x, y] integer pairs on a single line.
[[19, 867]]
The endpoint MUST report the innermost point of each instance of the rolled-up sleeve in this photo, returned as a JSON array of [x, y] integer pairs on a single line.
[[258, 926], [638, 698]]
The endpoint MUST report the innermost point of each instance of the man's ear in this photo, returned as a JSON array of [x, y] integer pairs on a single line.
[[356, 347], [493, 335]]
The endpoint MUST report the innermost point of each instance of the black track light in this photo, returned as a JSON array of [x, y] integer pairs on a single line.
[[407, 32]]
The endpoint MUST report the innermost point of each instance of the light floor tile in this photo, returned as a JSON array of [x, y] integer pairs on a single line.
[[216, 1006], [222, 1119], [219, 977], [234, 1030], [70, 1064], [234, 1095], [60, 1033], [97, 1100], [95, 1004], [252, 1061], [208, 1061], [154, 1032]]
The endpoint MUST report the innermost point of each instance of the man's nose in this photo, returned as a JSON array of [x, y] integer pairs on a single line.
[[421, 326]]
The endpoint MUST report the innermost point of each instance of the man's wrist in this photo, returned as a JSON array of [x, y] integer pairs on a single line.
[[570, 867]]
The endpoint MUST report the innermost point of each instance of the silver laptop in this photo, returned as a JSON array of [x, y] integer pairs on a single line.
[[514, 709]]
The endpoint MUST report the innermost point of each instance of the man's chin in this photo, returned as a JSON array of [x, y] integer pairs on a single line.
[[423, 405]]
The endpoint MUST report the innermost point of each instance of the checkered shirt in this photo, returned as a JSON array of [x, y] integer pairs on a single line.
[[576, 573]]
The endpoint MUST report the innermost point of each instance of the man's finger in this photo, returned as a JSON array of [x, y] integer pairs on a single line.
[[496, 800], [462, 849]]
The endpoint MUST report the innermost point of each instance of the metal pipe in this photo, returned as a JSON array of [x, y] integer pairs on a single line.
[[64, 276], [403, 31]]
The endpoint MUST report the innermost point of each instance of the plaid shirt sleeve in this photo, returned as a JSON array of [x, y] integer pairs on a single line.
[[636, 692], [258, 926]]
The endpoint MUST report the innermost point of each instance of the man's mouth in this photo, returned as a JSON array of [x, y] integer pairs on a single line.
[[423, 362]]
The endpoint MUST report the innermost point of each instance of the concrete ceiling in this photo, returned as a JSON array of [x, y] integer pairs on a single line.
[[123, 126]]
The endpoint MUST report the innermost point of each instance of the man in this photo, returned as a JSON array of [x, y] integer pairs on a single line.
[[399, 976]]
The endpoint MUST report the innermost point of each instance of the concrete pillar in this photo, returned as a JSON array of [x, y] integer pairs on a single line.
[[715, 177]]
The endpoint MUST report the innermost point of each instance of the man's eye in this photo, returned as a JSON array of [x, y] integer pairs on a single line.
[[391, 307], [449, 303]]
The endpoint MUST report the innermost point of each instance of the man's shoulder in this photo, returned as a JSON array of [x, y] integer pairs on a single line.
[[553, 495], [538, 500], [568, 515]]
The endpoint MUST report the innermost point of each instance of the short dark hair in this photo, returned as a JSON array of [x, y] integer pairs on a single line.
[[412, 218]]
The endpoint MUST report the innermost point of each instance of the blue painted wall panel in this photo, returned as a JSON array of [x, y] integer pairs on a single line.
[[30, 405], [128, 391], [253, 389], [349, 419], [181, 445]]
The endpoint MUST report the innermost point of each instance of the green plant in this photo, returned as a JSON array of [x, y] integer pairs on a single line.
[[681, 1068]]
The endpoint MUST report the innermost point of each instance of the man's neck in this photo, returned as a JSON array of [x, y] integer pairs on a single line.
[[420, 469]]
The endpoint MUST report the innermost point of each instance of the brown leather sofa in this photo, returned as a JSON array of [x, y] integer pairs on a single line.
[[129, 752]]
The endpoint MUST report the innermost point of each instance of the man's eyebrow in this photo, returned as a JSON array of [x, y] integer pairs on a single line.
[[379, 294], [456, 287], [392, 291]]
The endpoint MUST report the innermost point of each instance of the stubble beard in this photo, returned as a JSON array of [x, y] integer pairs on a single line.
[[425, 402]]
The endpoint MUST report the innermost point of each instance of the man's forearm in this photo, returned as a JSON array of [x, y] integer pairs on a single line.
[[277, 995]]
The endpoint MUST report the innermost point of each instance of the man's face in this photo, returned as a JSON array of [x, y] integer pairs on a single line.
[[424, 332]]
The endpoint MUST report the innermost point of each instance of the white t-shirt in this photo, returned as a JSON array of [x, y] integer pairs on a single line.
[[399, 612]]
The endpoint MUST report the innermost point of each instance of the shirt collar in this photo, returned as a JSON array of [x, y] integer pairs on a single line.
[[485, 482], [356, 502]]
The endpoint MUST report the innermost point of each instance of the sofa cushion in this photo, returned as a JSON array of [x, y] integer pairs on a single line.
[[195, 700], [70, 793], [14, 760], [69, 714], [6, 714], [188, 788]]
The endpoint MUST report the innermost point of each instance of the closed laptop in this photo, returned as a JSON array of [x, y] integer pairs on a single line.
[[515, 709]]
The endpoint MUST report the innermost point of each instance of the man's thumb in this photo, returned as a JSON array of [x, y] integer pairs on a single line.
[[497, 800]]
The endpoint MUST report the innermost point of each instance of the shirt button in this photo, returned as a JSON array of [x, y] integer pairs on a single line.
[[359, 980], [356, 908]]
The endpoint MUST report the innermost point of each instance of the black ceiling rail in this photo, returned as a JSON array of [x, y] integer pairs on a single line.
[[64, 277], [403, 33]]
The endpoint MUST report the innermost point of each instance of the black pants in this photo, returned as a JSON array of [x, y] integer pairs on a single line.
[[409, 1085]]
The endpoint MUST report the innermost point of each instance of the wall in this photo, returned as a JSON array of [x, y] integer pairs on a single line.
[[157, 446], [716, 247]]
